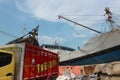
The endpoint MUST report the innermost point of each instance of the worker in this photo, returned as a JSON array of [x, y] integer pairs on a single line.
[[109, 14]]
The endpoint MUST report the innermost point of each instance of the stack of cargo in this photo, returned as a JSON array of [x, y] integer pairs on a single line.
[[109, 71], [65, 72], [106, 71]]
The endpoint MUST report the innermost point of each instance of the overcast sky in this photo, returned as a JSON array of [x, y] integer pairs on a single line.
[[19, 16]]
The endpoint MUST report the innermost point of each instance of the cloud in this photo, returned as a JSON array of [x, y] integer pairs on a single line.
[[50, 40], [88, 13], [50, 9]]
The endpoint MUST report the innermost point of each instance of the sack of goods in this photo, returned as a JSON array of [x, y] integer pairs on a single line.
[[109, 78], [112, 69]]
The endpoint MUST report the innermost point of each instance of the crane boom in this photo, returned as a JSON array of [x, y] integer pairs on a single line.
[[79, 24]]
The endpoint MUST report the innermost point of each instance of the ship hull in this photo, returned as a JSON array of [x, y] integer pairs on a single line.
[[104, 56]]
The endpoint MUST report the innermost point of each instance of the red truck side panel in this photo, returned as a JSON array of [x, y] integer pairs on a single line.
[[39, 63]]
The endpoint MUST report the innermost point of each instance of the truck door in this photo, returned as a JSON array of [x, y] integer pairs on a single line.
[[6, 65]]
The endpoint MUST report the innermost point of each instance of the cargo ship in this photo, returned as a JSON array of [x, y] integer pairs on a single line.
[[59, 49], [103, 48], [98, 59]]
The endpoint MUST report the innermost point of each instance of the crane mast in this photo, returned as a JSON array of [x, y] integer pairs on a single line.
[[78, 24], [30, 37]]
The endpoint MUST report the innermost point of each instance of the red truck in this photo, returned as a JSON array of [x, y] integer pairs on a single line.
[[27, 62]]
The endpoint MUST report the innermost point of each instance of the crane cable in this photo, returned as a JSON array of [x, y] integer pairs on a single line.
[[102, 41]]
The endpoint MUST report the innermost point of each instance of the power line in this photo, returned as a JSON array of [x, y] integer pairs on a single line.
[[83, 15], [7, 34]]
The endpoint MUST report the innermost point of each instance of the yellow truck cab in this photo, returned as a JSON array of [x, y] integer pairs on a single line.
[[6, 65]]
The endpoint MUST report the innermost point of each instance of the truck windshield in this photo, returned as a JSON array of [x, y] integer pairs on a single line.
[[5, 59]]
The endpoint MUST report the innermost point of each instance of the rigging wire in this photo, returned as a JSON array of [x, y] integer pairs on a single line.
[[117, 20], [98, 47], [101, 42], [59, 31], [95, 48], [103, 29]]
